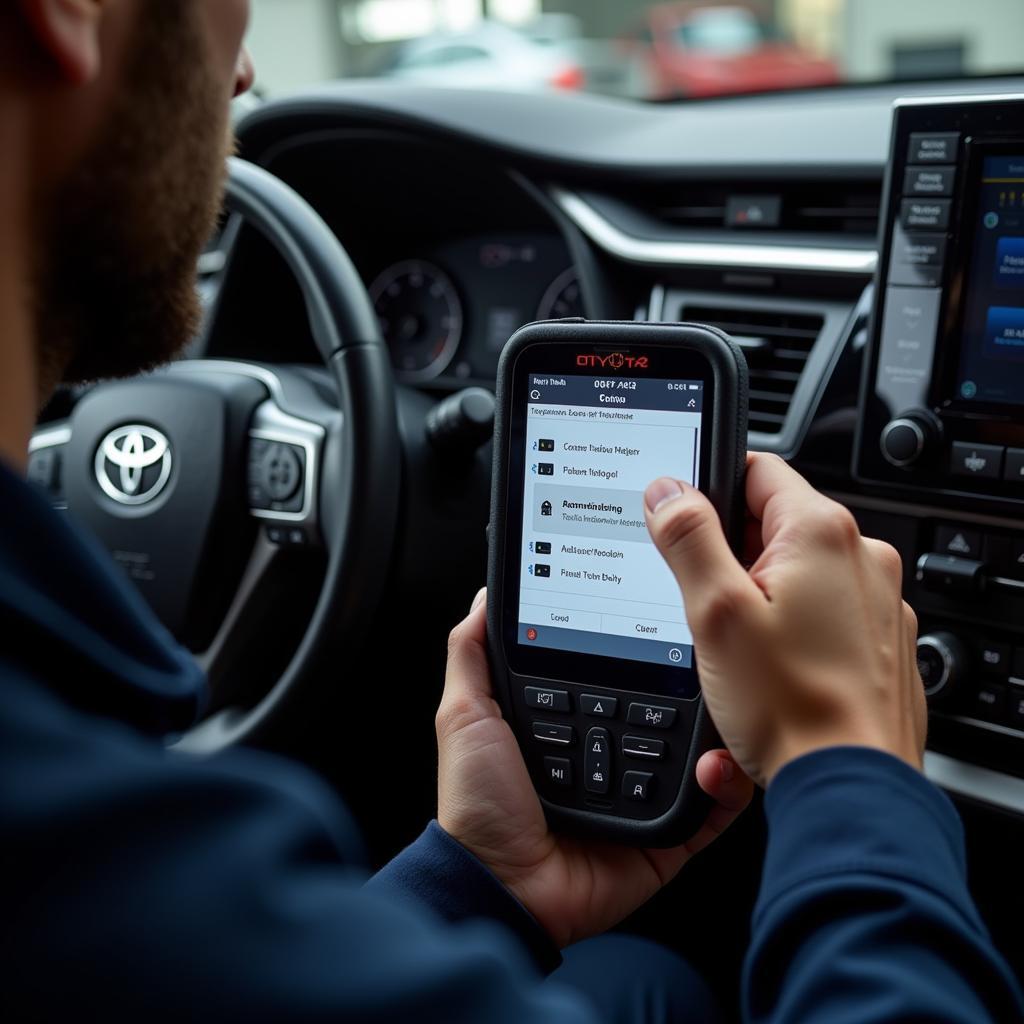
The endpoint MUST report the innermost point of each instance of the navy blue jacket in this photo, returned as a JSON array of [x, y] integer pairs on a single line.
[[140, 884]]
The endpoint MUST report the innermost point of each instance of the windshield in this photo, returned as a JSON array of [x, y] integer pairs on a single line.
[[630, 48]]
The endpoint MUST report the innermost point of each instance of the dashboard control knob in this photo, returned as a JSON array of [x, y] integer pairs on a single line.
[[460, 423], [905, 439], [941, 660]]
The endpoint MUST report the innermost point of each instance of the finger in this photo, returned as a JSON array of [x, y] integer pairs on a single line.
[[775, 493], [732, 790], [724, 780], [467, 683], [887, 558], [686, 530]]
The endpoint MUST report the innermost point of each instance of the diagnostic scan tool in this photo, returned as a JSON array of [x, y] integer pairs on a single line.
[[592, 656]]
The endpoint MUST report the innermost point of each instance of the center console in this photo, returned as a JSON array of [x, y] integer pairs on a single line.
[[941, 429]]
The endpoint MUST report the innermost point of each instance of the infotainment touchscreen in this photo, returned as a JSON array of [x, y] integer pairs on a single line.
[[592, 581], [991, 366]]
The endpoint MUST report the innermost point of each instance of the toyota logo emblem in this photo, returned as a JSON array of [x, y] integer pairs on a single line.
[[133, 464]]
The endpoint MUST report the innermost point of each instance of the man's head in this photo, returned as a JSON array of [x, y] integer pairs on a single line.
[[127, 102]]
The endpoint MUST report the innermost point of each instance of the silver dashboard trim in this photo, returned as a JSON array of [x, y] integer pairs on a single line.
[[939, 100], [661, 252], [920, 510], [975, 783]]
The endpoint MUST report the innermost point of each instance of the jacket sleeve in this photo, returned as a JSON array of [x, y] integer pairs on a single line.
[[443, 876], [864, 913], [138, 885]]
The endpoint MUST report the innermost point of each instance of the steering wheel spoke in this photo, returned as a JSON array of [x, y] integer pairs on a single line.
[[46, 454], [237, 494], [282, 482]]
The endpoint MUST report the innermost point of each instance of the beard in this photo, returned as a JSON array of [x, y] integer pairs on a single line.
[[115, 287]]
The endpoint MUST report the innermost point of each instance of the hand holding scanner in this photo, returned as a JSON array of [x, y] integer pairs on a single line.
[[592, 658]]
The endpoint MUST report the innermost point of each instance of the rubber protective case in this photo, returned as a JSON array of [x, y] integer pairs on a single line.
[[725, 477]]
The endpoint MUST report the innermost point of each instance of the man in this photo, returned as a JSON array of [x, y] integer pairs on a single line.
[[137, 885]]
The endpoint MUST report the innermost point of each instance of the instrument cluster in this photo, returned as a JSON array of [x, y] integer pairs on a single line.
[[447, 312]]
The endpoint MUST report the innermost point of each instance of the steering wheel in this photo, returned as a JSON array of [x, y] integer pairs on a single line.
[[199, 478]]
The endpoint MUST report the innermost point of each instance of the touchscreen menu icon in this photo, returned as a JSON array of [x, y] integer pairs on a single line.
[[546, 444], [542, 547]]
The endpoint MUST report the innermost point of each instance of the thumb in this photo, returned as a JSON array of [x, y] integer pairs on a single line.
[[467, 693], [686, 530]]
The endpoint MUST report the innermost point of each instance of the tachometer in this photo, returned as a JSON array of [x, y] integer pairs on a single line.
[[420, 318], [563, 298]]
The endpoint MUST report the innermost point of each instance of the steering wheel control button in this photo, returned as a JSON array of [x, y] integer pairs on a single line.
[[637, 746], [558, 771], [637, 786], [550, 732], [597, 758], [984, 461], [547, 700], [43, 468], [276, 473], [599, 707], [651, 716], [280, 471]]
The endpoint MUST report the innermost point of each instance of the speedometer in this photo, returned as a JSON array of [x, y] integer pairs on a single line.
[[563, 298], [420, 318]]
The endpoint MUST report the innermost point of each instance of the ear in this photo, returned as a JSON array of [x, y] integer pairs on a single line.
[[68, 32]]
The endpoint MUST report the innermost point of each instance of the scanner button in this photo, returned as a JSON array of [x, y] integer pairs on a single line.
[[650, 715], [547, 700], [597, 756], [637, 746], [549, 732], [558, 771], [599, 707], [637, 785]]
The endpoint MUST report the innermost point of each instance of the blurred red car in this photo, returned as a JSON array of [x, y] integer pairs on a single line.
[[694, 50]]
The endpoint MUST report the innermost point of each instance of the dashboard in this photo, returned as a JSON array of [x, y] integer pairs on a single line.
[[864, 248], [450, 312]]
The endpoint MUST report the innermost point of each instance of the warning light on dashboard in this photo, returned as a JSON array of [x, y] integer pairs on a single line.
[[531, 634]]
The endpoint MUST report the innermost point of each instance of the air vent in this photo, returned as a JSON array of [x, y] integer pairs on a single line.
[[777, 344], [812, 208]]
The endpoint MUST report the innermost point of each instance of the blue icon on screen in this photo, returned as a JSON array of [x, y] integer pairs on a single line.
[[1004, 331], [1010, 263], [968, 389]]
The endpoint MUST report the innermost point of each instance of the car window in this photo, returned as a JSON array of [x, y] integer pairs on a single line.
[[444, 56], [722, 32], [641, 50]]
